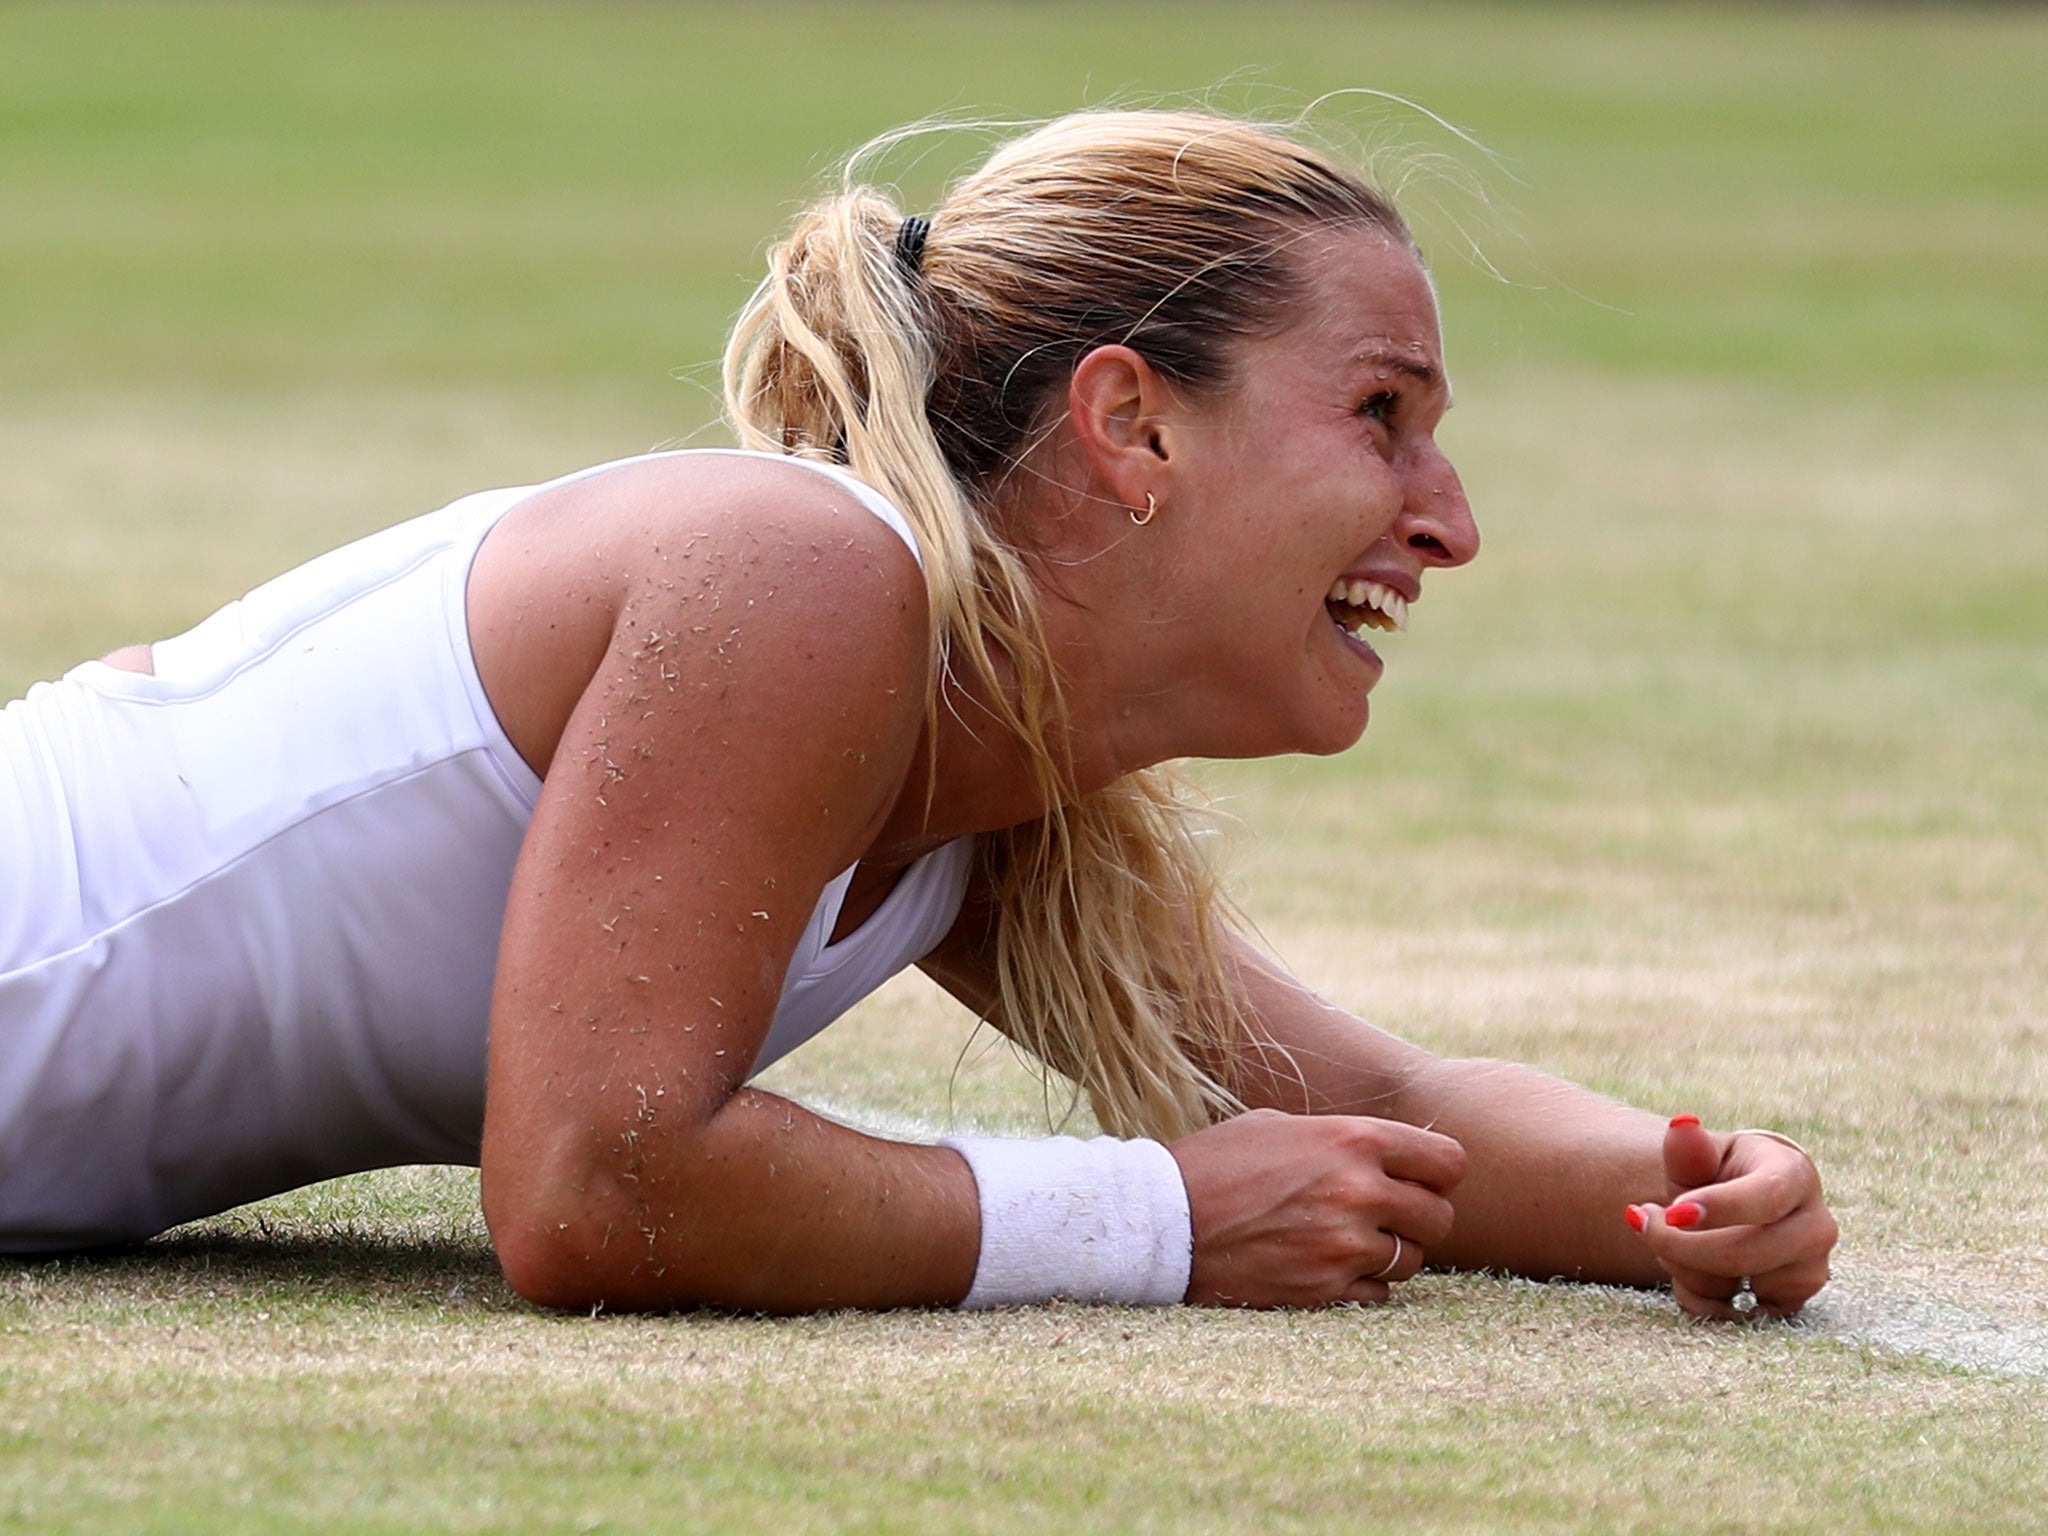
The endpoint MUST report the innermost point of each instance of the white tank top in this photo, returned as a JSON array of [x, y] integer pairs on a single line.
[[250, 905]]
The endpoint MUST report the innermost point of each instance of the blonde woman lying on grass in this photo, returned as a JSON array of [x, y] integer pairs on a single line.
[[526, 833]]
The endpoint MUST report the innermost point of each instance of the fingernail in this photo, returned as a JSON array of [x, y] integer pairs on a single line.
[[1635, 1217], [1683, 1214], [1680, 1121]]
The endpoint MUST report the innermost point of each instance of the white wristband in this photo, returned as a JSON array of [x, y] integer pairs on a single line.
[[1098, 1221]]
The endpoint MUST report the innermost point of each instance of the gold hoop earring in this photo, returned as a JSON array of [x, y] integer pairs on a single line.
[[1151, 510]]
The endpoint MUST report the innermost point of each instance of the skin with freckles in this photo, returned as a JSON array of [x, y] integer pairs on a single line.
[[720, 667]]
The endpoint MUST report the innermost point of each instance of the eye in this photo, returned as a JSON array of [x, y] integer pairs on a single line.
[[1380, 406]]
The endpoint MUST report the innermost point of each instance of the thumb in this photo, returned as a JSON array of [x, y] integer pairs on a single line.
[[1692, 1156]]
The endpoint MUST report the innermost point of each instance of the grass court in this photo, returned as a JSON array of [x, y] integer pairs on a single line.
[[1717, 782]]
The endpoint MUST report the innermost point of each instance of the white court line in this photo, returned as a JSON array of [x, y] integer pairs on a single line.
[[1943, 1331]]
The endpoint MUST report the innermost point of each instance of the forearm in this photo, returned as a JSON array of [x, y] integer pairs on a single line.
[[763, 1207], [1551, 1168]]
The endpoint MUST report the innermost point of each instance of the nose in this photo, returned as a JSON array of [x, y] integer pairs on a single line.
[[1436, 521]]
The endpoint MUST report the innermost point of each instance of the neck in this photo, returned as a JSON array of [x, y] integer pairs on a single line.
[[971, 773]]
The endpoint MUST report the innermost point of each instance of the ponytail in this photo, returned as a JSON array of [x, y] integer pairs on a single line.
[[1167, 232]]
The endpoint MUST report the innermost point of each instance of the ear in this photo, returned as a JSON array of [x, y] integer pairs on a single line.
[[1122, 414]]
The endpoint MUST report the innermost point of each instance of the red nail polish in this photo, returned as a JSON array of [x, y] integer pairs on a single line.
[[1678, 1121], [1684, 1214], [1635, 1218]]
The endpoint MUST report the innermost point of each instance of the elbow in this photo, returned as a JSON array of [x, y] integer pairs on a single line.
[[542, 1269], [544, 1248], [575, 1240]]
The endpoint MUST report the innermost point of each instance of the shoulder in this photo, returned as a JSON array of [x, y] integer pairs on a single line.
[[772, 478], [623, 520], [730, 569], [756, 499], [770, 547]]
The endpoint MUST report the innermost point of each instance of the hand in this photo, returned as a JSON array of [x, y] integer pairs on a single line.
[[1305, 1210], [1747, 1210]]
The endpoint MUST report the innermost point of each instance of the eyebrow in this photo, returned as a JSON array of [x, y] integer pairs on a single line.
[[1423, 373]]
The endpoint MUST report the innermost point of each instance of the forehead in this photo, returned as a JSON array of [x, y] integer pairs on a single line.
[[1366, 303]]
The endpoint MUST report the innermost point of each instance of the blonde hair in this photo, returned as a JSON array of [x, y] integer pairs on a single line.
[[1170, 233]]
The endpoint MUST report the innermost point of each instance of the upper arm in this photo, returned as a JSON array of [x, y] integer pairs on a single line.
[[745, 729]]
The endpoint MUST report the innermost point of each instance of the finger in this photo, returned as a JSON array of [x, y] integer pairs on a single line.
[[1404, 1259], [1751, 1248], [1708, 1283], [1760, 1179], [1421, 1217], [1780, 1295], [1754, 1199], [1435, 1161], [1692, 1156], [1704, 1284], [1704, 1294], [1719, 1309], [1782, 1292], [1737, 1251], [1694, 1281], [1785, 1265], [1366, 1293]]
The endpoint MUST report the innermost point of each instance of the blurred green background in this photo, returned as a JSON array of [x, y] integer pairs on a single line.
[[554, 197]]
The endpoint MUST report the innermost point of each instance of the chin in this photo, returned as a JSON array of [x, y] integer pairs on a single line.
[[1343, 740], [1320, 725]]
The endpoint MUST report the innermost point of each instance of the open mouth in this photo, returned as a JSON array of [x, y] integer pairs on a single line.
[[1355, 605]]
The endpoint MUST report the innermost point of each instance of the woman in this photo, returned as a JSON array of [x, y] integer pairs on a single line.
[[527, 832]]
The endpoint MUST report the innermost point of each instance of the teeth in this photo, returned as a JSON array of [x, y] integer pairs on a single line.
[[1383, 607]]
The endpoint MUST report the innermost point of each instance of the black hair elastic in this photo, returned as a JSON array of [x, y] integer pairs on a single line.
[[910, 236]]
